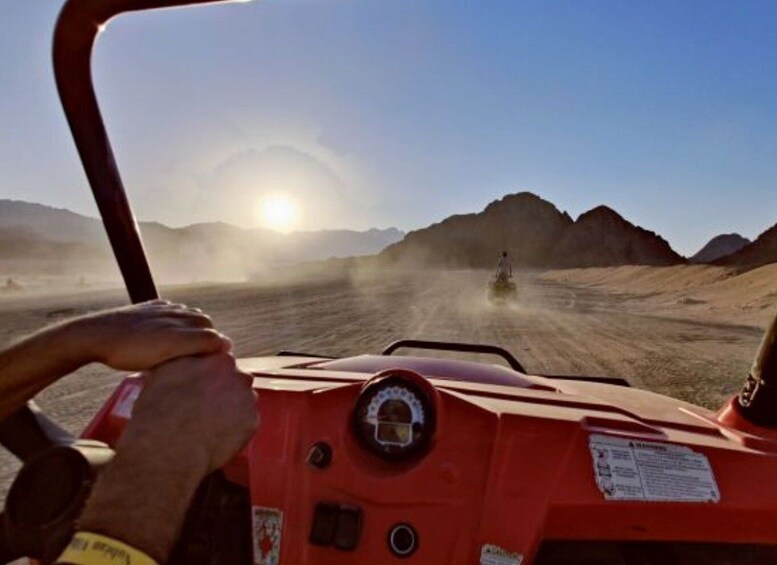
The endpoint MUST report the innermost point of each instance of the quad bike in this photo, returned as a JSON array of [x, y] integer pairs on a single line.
[[502, 289], [383, 459]]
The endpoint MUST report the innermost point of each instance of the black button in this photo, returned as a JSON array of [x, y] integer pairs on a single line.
[[349, 528], [320, 455], [325, 518], [403, 540]]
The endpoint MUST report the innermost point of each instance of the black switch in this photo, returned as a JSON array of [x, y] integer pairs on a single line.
[[325, 520], [349, 528]]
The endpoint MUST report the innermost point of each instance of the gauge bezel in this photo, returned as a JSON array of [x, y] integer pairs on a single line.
[[421, 389]]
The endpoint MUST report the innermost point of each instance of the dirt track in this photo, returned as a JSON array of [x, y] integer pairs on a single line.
[[551, 329]]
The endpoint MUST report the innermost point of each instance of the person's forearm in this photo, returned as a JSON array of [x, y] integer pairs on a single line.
[[32, 364], [131, 338]]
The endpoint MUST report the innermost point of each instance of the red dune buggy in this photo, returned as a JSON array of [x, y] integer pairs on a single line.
[[389, 459]]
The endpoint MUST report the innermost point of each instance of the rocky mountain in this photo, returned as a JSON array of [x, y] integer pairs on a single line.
[[760, 252], [720, 246], [34, 232], [53, 224], [535, 234], [524, 225], [602, 238], [24, 243]]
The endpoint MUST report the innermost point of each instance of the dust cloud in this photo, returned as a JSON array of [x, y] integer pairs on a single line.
[[565, 322]]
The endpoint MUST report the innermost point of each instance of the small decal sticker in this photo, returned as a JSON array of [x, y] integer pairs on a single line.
[[267, 525], [125, 403], [630, 469], [494, 555]]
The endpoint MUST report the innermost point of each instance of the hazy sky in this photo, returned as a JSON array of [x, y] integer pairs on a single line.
[[401, 112]]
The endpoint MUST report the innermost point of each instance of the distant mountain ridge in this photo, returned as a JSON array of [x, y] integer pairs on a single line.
[[472, 240], [535, 234], [720, 246], [760, 252], [35, 232], [603, 238]]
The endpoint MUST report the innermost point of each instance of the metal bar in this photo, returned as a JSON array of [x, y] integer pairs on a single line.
[[614, 381], [79, 24], [452, 346], [287, 353]]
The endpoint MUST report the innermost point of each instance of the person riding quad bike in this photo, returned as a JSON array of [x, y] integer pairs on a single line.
[[504, 269], [501, 287]]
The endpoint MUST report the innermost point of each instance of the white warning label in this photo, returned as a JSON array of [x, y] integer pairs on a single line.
[[491, 554], [630, 469]]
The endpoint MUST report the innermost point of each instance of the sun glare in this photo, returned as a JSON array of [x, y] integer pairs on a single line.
[[279, 212]]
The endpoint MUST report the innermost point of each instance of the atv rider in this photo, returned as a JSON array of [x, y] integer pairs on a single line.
[[504, 269], [195, 403]]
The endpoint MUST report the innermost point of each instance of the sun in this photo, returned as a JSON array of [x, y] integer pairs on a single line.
[[279, 212]]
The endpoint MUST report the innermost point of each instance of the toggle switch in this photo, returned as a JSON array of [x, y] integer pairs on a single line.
[[336, 525], [324, 524], [349, 528]]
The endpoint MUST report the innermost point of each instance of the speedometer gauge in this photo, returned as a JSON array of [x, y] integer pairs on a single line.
[[394, 416]]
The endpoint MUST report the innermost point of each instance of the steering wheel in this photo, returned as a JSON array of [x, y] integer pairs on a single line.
[[48, 493], [59, 469], [50, 490]]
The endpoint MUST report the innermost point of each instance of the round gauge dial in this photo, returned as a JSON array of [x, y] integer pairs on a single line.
[[394, 417]]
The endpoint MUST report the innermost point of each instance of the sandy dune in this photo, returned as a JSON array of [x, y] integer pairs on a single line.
[[703, 292], [606, 323]]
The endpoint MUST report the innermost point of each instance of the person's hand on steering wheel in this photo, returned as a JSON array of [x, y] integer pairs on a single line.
[[132, 338], [142, 336], [193, 415]]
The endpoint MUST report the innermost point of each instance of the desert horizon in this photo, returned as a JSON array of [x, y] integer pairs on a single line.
[[45, 249], [353, 282]]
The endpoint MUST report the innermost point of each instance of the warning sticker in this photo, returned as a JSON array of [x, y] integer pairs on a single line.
[[630, 469], [267, 525], [494, 555]]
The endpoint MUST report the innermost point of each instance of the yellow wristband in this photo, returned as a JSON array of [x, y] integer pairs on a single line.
[[87, 548]]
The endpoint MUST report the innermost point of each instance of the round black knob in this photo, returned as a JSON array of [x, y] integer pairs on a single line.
[[320, 455]]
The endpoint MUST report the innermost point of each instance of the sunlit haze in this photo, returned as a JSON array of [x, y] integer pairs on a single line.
[[377, 114], [278, 212]]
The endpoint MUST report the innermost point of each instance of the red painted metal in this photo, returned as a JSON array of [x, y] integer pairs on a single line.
[[510, 465]]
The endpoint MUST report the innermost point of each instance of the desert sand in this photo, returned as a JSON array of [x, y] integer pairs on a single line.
[[689, 332], [705, 293]]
